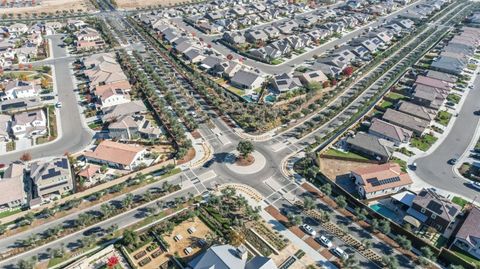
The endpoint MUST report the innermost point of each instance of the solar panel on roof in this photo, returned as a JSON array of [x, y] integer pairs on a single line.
[[376, 182], [435, 207]]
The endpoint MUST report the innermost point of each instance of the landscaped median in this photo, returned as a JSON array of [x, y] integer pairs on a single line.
[[23, 220]]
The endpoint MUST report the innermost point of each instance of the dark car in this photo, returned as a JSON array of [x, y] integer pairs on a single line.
[[208, 163], [475, 156], [476, 113], [452, 161]]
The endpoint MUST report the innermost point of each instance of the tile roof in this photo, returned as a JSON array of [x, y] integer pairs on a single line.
[[115, 152], [384, 176]]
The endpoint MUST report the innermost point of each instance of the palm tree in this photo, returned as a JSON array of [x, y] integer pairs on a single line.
[[127, 202]]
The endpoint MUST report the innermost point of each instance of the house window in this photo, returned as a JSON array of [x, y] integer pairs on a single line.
[[433, 216], [422, 210]]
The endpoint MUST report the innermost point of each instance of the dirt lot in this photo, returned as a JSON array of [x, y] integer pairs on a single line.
[[132, 4], [50, 6], [332, 168]]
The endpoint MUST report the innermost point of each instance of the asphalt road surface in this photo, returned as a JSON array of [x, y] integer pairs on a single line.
[[434, 168], [74, 135]]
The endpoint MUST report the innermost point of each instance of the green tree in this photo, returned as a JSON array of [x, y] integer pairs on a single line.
[[390, 262], [403, 242], [427, 253], [326, 189], [308, 203], [129, 238], [341, 201], [374, 225], [245, 147], [384, 226], [294, 219]]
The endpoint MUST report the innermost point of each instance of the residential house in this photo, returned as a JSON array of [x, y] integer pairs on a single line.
[[379, 180], [193, 56], [51, 179], [433, 210], [468, 235], [20, 89], [29, 123], [104, 72], [91, 173], [226, 69], [418, 111], [114, 112], [117, 155], [272, 32], [409, 122], [256, 36], [247, 80], [448, 65], [315, 76], [134, 126], [284, 83], [234, 38], [17, 29], [88, 34], [434, 83], [296, 42], [12, 186], [282, 46], [428, 96], [448, 78], [230, 257], [209, 62], [376, 148], [390, 132], [113, 94], [20, 104], [287, 27]]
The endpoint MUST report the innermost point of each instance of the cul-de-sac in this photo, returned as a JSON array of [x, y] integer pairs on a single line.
[[239, 134]]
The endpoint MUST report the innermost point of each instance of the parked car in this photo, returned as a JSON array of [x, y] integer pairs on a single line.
[[58, 105], [475, 185], [476, 113], [475, 156], [308, 229], [339, 253], [452, 161], [208, 163], [324, 241]]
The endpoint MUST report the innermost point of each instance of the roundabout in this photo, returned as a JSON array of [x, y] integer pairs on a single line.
[[257, 164]]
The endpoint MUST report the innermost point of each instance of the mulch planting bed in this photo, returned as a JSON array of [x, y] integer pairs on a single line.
[[312, 243]]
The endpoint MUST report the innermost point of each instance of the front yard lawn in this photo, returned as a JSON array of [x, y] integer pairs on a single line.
[[386, 104], [455, 98], [472, 67], [402, 163], [459, 201], [423, 143], [395, 96], [347, 155], [276, 61], [443, 118]]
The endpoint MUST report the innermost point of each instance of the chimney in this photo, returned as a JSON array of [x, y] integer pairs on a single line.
[[242, 252]]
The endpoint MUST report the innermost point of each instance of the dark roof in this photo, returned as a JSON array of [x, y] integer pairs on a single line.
[[378, 146], [470, 229], [441, 206]]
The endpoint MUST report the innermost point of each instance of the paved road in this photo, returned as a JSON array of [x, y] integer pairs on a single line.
[[74, 135], [72, 242], [434, 169]]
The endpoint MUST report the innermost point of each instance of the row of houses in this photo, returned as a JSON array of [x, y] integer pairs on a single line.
[[454, 58], [35, 183], [110, 91], [409, 118], [19, 43]]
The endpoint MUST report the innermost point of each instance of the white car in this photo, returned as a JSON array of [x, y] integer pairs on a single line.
[[475, 185], [340, 253], [308, 230], [324, 241]]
